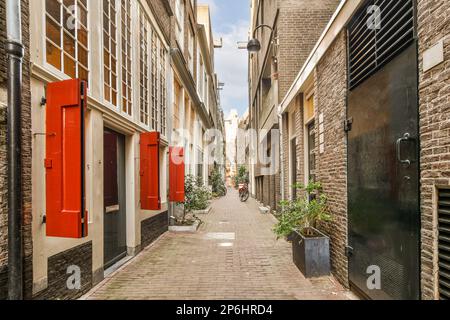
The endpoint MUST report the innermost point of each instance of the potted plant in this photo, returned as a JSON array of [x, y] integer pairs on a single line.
[[197, 198], [310, 247]]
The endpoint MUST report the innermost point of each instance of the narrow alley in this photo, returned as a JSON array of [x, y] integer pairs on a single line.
[[234, 255]]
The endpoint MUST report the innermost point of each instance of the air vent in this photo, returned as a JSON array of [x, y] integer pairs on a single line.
[[380, 30], [444, 243]]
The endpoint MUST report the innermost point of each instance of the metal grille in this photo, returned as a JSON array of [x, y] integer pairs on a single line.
[[380, 30], [444, 243]]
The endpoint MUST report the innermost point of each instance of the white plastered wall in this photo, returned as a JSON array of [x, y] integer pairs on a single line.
[[98, 116]]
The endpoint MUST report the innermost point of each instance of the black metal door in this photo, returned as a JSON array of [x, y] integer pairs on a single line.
[[383, 182], [114, 198]]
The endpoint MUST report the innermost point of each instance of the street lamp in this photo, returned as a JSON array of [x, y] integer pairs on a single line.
[[254, 45]]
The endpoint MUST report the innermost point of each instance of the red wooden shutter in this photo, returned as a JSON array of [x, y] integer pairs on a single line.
[[176, 174], [65, 194], [149, 171]]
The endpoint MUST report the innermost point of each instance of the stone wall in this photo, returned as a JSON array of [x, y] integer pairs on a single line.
[[434, 113]]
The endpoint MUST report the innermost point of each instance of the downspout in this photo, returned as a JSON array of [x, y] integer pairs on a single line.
[[280, 119], [15, 53]]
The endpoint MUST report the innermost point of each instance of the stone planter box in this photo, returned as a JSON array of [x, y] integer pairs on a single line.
[[206, 211], [185, 229], [264, 210], [311, 254]]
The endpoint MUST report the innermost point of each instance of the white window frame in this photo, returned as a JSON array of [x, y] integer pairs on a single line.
[[59, 73], [129, 97], [118, 97], [144, 88]]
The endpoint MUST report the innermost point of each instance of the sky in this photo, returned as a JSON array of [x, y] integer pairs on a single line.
[[230, 21]]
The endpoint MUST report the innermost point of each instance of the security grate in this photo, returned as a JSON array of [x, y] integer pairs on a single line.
[[444, 243], [380, 30]]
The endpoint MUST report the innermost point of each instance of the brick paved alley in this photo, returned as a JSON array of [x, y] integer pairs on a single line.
[[234, 255]]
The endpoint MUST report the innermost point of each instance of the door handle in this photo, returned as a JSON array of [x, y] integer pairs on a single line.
[[406, 137]]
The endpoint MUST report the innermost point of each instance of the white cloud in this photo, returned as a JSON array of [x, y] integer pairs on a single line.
[[231, 67]]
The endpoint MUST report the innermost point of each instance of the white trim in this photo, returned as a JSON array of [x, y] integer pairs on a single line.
[[340, 18]]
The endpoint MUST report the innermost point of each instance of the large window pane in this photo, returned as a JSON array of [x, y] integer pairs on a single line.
[[67, 38]]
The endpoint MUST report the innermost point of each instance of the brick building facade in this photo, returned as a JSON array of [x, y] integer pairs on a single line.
[[131, 93], [321, 92], [434, 113], [296, 26]]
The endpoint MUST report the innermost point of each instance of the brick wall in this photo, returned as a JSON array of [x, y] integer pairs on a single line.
[[330, 99], [3, 167], [26, 156], [3, 207], [2, 47], [58, 276], [434, 113], [162, 17], [153, 227], [300, 24]]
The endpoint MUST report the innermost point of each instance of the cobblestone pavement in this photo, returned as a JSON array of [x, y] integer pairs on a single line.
[[235, 255]]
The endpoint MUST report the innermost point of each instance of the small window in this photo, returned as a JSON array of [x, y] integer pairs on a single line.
[[67, 41], [176, 105], [162, 89], [154, 114], [311, 136]]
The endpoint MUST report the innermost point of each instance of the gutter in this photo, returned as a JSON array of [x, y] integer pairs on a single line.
[[15, 53]]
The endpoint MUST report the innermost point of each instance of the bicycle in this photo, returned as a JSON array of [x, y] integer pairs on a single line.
[[244, 193]]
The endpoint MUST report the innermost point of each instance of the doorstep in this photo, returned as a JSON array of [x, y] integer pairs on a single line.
[[185, 229]]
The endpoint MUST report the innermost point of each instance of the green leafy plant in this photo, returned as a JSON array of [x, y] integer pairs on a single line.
[[242, 176], [217, 183], [303, 214], [197, 196]]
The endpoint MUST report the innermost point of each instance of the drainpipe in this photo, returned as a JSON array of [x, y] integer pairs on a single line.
[[280, 119], [15, 52]]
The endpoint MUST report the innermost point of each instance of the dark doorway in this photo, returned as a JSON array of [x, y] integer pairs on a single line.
[[293, 169], [383, 182], [115, 247]]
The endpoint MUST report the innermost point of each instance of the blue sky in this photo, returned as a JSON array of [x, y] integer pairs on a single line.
[[230, 20]]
